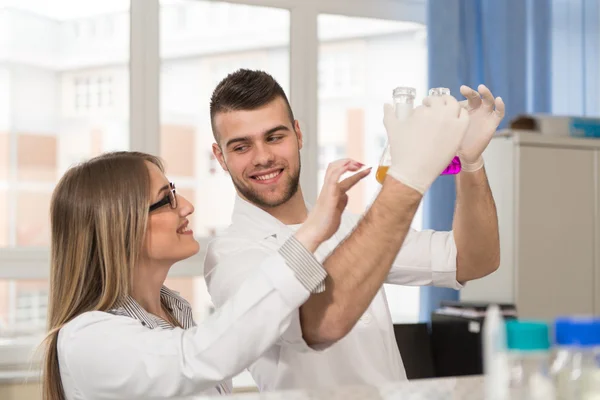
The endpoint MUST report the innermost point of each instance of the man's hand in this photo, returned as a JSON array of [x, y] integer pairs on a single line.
[[423, 145], [485, 114]]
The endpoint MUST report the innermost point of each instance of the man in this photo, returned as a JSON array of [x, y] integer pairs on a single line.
[[258, 143]]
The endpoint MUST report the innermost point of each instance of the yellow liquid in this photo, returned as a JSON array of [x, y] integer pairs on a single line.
[[381, 173]]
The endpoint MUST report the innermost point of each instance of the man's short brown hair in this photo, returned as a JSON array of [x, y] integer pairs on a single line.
[[245, 89]]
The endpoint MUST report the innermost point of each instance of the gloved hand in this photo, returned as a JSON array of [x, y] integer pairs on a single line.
[[485, 116], [423, 145]]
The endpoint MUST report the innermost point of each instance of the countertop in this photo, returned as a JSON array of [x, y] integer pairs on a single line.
[[460, 388]]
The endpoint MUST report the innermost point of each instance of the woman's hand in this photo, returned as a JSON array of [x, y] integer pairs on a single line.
[[325, 218]]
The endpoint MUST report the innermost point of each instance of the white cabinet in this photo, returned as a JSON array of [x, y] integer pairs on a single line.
[[546, 190]]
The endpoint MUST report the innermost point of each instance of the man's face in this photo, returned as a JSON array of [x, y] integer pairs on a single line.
[[261, 151]]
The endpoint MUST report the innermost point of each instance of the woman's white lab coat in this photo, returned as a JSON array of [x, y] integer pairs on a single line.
[[107, 356]]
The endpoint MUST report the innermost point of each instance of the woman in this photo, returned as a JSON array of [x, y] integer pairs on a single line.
[[114, 330]]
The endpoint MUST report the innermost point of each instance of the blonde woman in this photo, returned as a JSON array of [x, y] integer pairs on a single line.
[[115, 331]]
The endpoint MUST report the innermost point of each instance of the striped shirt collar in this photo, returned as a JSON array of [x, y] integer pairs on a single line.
[[179, 307]]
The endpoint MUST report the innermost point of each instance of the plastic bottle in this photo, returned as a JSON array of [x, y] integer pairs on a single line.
[[576, 367], [529, 361], [495, 362]]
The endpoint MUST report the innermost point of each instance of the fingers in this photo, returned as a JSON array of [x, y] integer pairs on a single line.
[[473, 98], [488, 97], [349, 182], [500, 108], [483, 96], [331, 170], [337, 168], [466, 91]]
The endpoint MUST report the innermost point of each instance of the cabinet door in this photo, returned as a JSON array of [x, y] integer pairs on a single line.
[[555, 232], [499, 164]]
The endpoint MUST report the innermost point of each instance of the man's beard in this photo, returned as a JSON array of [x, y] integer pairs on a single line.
[[291, 187]]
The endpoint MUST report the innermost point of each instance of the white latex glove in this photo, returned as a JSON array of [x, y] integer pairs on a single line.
[[485, 114], [425, 143]]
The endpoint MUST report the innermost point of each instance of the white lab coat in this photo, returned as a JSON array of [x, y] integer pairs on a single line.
[[107, 356], [368, 354]]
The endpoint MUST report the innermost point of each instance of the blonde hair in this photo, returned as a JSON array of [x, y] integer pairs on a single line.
[[98, 217]]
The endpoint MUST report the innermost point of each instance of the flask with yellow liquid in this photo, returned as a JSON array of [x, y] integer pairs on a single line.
[[404, 102]]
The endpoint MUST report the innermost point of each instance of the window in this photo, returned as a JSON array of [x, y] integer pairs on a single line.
[[80, 94], [57, 91], [109, 26], [188, 77], [69, 99], [360, 62], [192, 64], [330, 152], [31, 308], [44, 140], [339, 72], [23, 306], [92, 93], [187, 80]]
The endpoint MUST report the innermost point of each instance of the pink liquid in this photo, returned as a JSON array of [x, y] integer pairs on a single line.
[[453, 168]]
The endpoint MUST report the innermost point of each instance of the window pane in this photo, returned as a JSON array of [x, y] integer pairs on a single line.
[[3, 217], [23, 307], [33, 221], [361, 61], [64, 97], [202, 42]]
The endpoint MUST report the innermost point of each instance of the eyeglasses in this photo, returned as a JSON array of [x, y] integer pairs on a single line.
[[170, 198]]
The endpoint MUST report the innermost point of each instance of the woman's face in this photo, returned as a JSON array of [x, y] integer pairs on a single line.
[[169, 237]]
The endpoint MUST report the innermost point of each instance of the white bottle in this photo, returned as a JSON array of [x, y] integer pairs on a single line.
[[576, 368], [528, 345], [495, 361]]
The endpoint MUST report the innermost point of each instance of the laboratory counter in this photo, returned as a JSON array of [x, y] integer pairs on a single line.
[[460, 388], [463, 388]]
